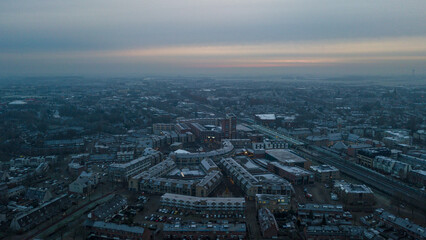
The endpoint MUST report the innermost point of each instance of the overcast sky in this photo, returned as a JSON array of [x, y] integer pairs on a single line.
[[137, 37]]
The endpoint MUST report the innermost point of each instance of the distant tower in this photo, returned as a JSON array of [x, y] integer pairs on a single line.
[[339, 124], [413, 72], [229, 126]]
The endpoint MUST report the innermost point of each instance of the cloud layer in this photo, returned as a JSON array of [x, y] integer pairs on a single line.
[[132, 37]]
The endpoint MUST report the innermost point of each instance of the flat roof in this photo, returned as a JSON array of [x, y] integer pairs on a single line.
[[207, 199], [266, 116], [209, 227], [324, 168], [320, 207], [284, 155], [294, 170], [113, 226]]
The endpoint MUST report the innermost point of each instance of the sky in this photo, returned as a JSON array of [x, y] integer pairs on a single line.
[[178, 37]]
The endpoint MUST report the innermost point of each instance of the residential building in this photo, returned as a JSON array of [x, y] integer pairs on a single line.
[[122, 172], [268, 224], [251, 184], [343, 232], [221, 231], [154, 171], [286, 157], [354, 195], [417, 177], [325, 173], [107, 210], [201, 205], [84, 183], [38, 194], [103, 230], [391, 166], [182, 157], [294, 175], [318, 211], [366, 156], [412, 230], [41, 214], [275, 203]]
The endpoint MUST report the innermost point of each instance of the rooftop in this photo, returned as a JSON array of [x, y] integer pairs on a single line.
[[284, 155], [209, 227], [324, 168], [113, 226], [293, 170]]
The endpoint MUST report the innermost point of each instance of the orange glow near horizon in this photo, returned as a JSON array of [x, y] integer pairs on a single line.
[[262, 55]]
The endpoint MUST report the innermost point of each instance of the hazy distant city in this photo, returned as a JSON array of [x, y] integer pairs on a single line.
[[206, 158]]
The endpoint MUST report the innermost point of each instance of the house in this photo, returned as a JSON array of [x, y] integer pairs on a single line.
[[39, 194]]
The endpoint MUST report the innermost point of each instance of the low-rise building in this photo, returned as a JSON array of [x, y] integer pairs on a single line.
[[343, 232], [13, 192], [325, 173], [391, 166], [200, 187], [103, 230], [318, 211], [205, 231], [154, 171], [208, 165], [414, 231], [275, 203], [106, 211], [183, 157], [354, 195], [268, 223], [75, 168], [38, 194], [366, 156], [27, 220], [287, 157], [32, 161], [201, 205], [122, 172], [125, 156], [295, 175], [84, 183], [255, 184], [417, 177]]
